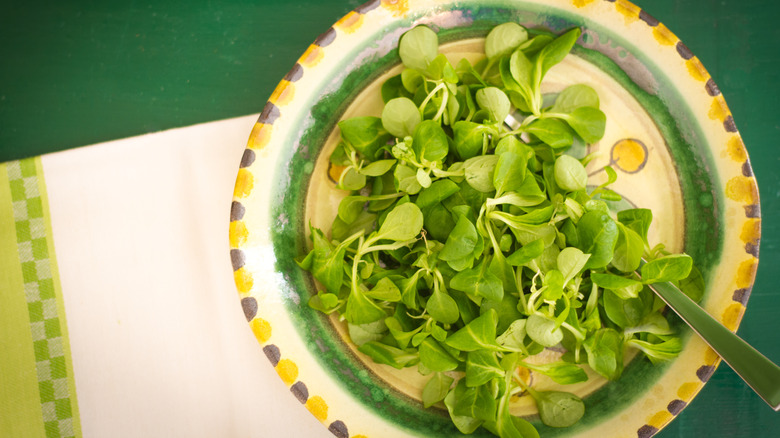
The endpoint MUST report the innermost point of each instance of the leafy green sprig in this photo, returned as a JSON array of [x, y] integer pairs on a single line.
[[466, 247]]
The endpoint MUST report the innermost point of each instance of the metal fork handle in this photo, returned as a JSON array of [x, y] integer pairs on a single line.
[[760, 373]]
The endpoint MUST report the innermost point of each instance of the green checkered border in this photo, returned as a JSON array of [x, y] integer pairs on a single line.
[[46, 325]]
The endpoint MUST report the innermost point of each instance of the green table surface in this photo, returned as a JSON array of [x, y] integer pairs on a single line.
[[80, 72]]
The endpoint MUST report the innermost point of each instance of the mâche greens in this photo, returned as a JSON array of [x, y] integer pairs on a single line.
[[466, 247]]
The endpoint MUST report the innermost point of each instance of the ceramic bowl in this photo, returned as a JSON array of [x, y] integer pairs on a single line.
[[669, 135]]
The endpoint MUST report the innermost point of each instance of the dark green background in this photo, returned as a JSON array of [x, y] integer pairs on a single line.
[[84, 72]]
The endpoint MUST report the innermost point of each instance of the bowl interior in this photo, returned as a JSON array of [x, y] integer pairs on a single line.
[[656, 139], [638, 144]]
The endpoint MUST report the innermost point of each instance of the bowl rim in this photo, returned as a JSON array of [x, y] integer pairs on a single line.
[[733, 165]]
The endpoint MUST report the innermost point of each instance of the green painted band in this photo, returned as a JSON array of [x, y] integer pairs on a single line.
[[703, 241]]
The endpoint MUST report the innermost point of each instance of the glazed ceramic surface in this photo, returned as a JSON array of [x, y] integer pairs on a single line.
[[669, 135]]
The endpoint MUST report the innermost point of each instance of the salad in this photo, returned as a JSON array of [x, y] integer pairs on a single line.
[[470, 241]]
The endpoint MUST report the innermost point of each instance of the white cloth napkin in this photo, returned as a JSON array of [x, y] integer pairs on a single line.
[[159, 342]]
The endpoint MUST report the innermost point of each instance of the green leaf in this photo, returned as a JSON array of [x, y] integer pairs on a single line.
[[637, 219], [350, 207], [476, 402], [479, 172], [481, 367], [495, 102], [513, 337], [627, 312], [559, 409], [409, 290], [571, 261], [561, 372], [537, 216], [461, 242], [549, 257], [387, 355], [616, 282], [436, 389], [468, 310], [352, 180], [363, 223], [324, 302], [535, 44], [543, 330], [588, 122], [339, 155], [569, 230], [654, 323], [377, 168], [667, 268], [505, 243], [659, 352], [400, 117], [478, 334], [479, 282], [510, 172], [327, 263], [373, 331], [442, 307], [518, 98], [411, 79], [509, 426], [605, 352], [551, 131], [406, 179], [526, 253], [510, 143], [530, 194], [385, 290], [430, 142], [693, 285], [575, 96], [461, 263], [456, 107], [439, 222], [468, 74], [418, 47], [393, 88], [503, 39], [469, 138], [628, 249], [527, 233], [362, 310], [521, 69], [383, 185], [434, 357], [436, 193], [401, 335], [597, 234], [441, 69], [365, 134], [506, 273], [553, 281], [404, 222], [570, 174], [423, 178], [465, 424], [555, 51]]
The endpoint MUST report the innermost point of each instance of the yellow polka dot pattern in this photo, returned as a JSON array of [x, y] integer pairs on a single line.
[[398, 8], [261, 328], [581, 3], [741, 189], [629, 10], [259, 138]]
